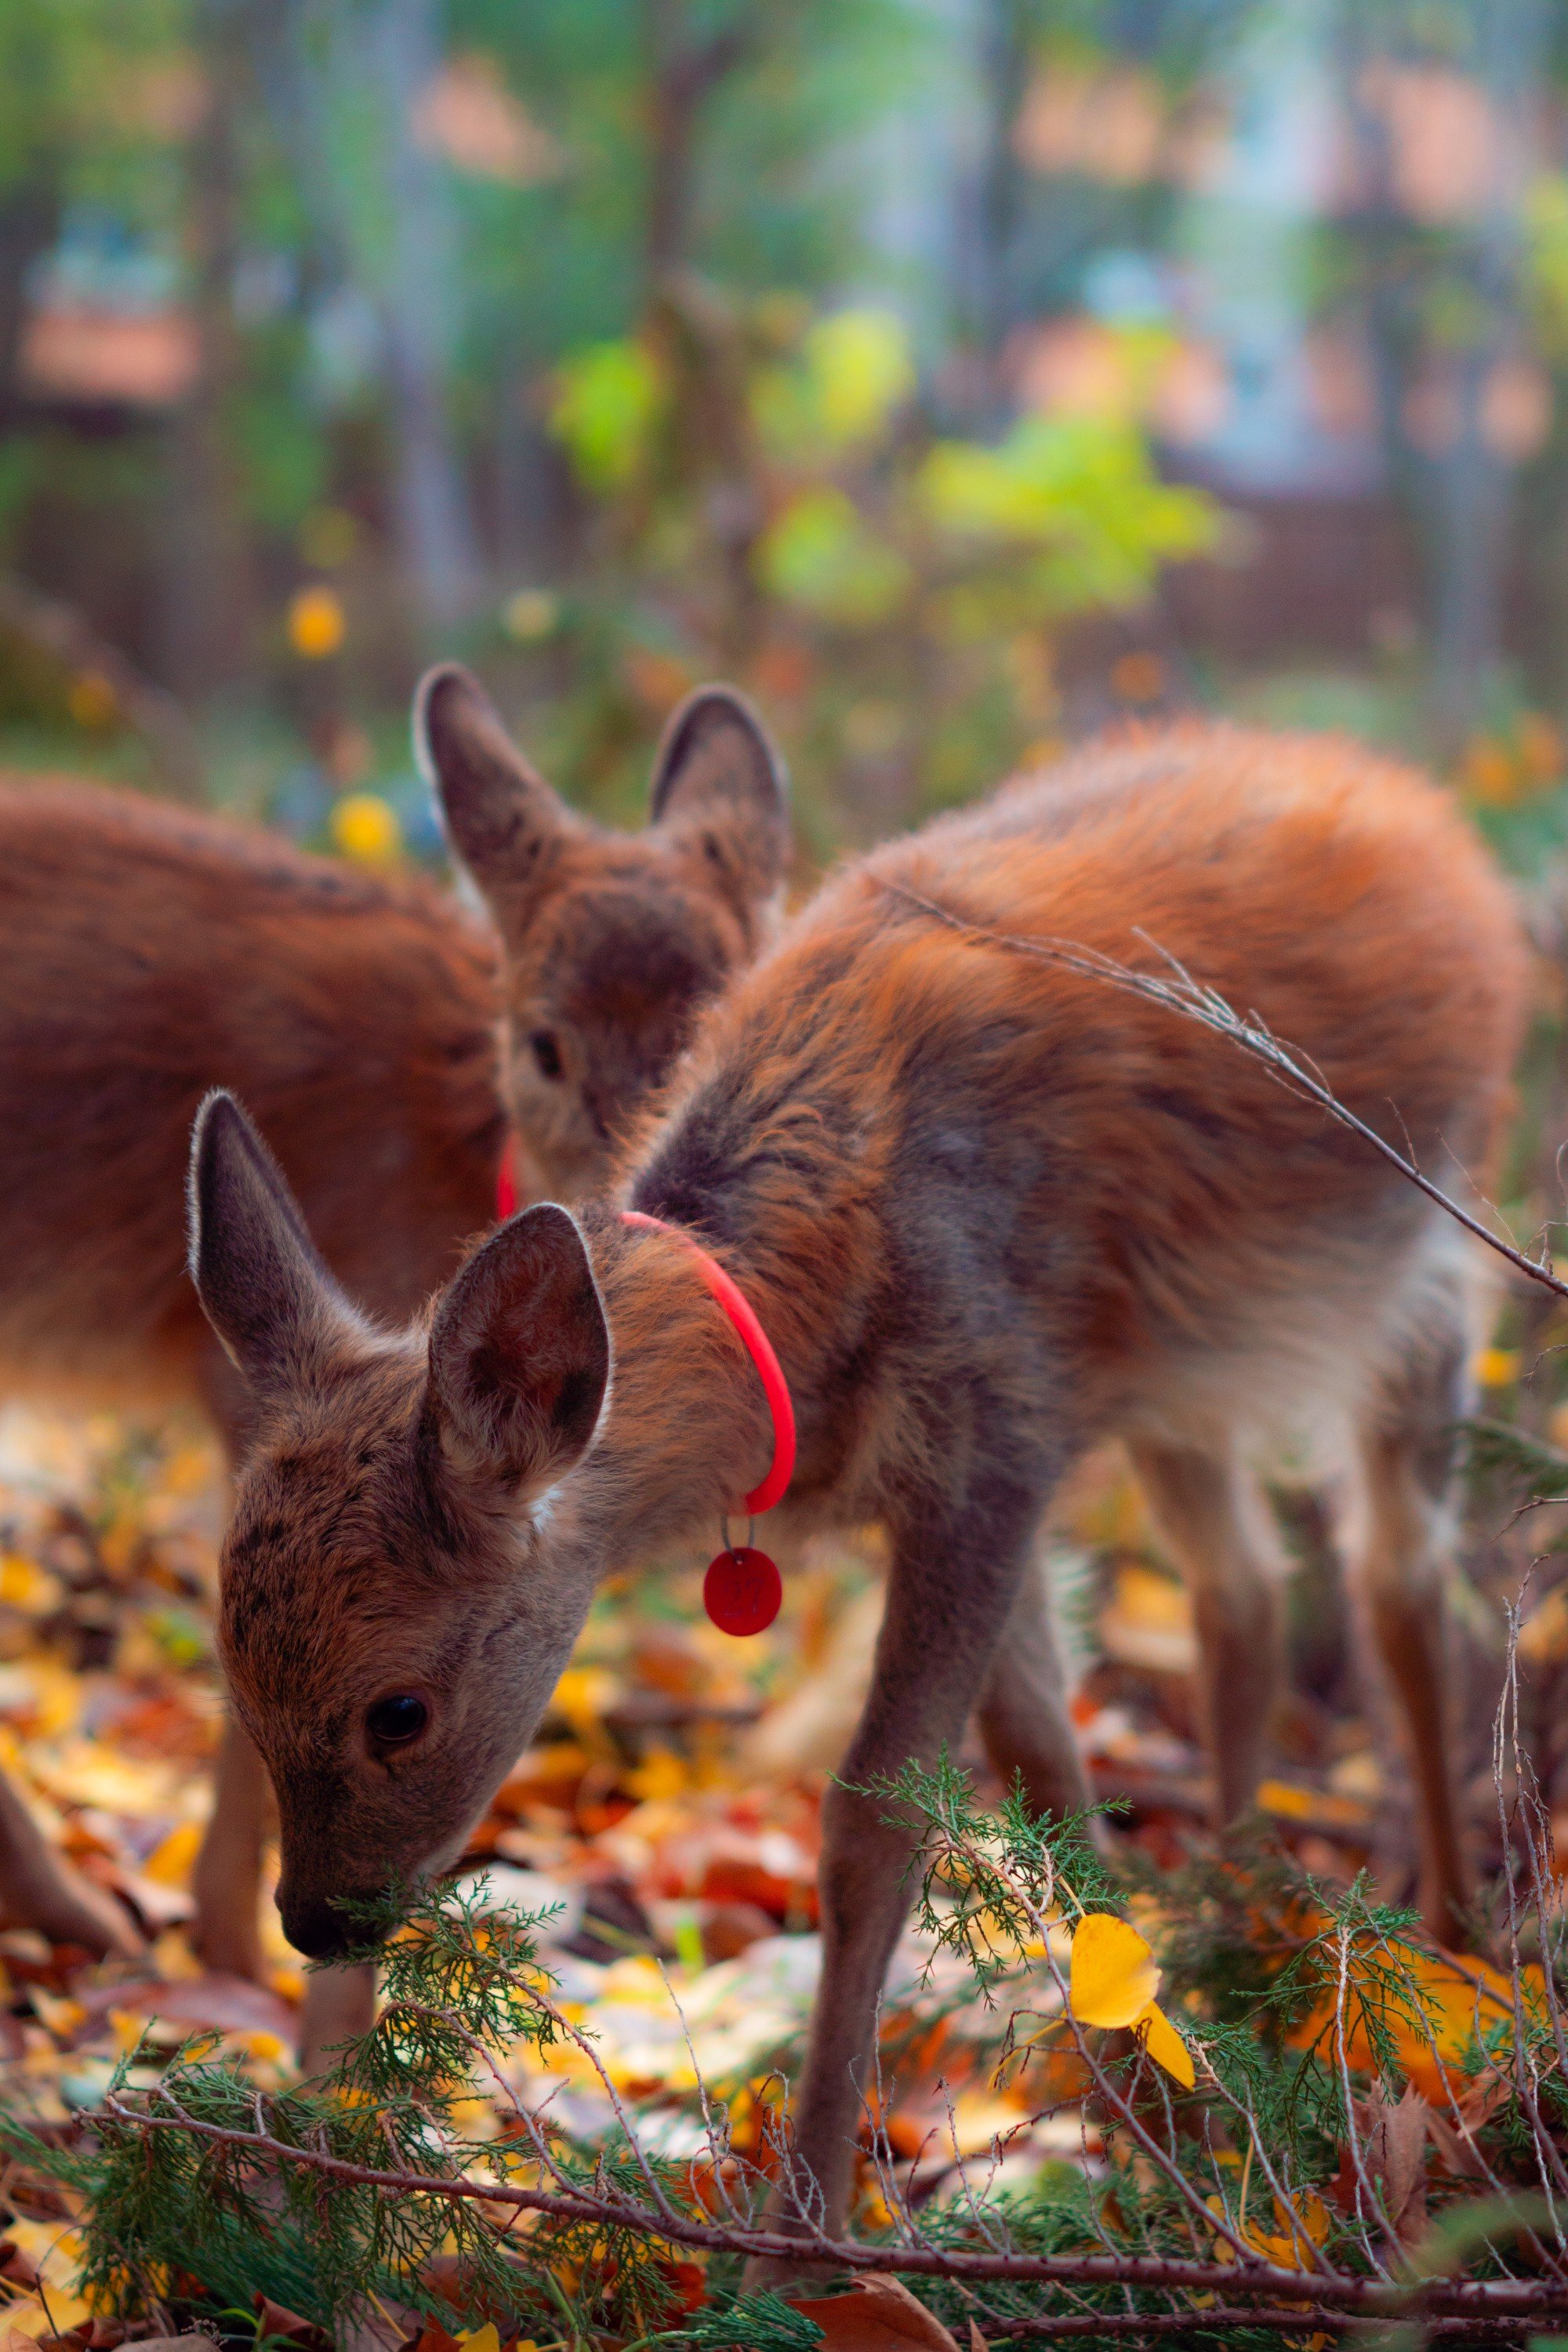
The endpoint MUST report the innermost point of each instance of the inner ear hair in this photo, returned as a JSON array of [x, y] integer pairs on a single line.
[[520, 1354], [720, 774], [264, 1289], [501, 818]]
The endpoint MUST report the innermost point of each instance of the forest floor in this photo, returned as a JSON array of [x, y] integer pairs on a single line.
[[665, 1818]]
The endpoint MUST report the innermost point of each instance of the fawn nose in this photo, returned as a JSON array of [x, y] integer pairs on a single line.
[[314, 1924]]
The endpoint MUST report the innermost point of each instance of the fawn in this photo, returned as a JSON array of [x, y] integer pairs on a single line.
[[147, 953], [988, 1210]]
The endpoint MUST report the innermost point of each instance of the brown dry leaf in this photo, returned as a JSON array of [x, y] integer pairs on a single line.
[[878, 2314], [1396, 2157], [277, 2319]]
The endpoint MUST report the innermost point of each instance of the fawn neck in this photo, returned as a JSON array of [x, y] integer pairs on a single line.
[[688, 1430]]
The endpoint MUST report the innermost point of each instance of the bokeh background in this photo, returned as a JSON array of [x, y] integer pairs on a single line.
[[956, 374]]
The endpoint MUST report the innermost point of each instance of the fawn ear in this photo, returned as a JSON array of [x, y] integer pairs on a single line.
[[266, 1292], [718, 774], [520, 1354], [502, 818]]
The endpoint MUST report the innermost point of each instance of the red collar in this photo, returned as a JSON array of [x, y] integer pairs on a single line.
[[736, 1306], [758, 1346]]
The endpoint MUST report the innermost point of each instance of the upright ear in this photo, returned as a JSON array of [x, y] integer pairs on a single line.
[[719, 773], [520, 1354], [503, 820], [266, 1292]]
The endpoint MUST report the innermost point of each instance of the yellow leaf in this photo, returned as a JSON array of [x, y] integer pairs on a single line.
[[1494, 1367], [172, 1859], [1114, 1975], [27, 1586], [482, 2339], [1165, 2045]]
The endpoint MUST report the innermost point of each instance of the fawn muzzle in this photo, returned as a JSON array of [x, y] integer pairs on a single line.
[[324, 1925]]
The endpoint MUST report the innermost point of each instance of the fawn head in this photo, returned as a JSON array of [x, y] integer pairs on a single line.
[[612, 943], [393, 1613]]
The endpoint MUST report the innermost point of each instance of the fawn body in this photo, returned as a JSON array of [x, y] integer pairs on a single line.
[[989, 1211], [148, 953]]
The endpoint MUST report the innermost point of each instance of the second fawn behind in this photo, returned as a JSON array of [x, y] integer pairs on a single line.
[[148, 953]]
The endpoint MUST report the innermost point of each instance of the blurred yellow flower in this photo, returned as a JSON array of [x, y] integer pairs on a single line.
[[317, 624], [365, 827], [529, 615], [93, 701], [1113, 1981]]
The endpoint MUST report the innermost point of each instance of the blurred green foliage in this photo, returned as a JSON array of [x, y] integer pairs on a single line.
[[534, 335]]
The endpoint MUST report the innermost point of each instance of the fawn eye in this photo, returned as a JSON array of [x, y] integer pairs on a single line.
[[546, 1048], [394, 1720]]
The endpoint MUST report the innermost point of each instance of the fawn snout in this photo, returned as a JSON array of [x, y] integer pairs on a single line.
[[322, 1924]]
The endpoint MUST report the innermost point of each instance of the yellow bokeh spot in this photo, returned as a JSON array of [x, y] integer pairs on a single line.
[[529, 615], [25, 1585], [93, 701], [365, 827], [317, 624], [1495, 1368]]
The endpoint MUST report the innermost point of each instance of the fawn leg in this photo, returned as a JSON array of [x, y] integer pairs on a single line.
[[40, 1888], [227, 1877], [1401, 1565], [340, 2006], [1216, 1524], [951, 1585], [1023, 1717]]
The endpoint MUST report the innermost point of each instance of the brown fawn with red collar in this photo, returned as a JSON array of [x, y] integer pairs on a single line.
[[148, 954], [990, 1210]]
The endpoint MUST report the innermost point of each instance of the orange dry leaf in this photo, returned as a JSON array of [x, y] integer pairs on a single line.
[[1463, 1999], [1289, 2243]]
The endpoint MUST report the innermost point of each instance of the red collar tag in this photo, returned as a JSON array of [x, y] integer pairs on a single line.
[[505, 1181], [743, 1589]]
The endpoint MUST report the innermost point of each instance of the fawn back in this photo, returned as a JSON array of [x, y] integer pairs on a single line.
[[148, 953], [989, 1207]]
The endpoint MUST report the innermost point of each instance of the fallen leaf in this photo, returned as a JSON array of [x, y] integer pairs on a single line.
[[1396, 2157], [1114, 1974], [277, 2319], [876, 2315], [1165, 2045]]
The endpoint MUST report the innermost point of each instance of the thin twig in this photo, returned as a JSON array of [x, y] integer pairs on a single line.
[[1195, 1001]]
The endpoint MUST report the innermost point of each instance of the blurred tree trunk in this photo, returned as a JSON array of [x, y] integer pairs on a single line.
[[212, 610], [991, 302], [684, 69], [438, 541], [1444, 312], [1474, 492], [29, 224]]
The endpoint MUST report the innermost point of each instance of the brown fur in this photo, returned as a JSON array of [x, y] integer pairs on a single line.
[[149, 953], [989, 1213]]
